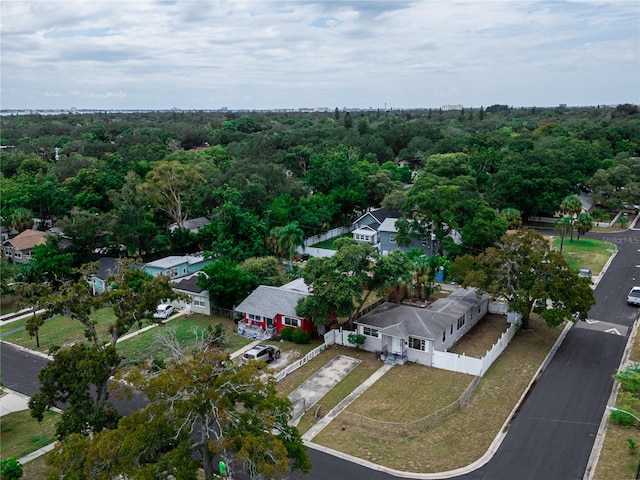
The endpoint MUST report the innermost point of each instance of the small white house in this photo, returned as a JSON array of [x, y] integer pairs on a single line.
[[402, 333]]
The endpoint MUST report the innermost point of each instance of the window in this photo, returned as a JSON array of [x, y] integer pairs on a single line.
[[417, 344], [17, 253], [254, 317], [392, 239], [451, 330], [291, 322], [198, 302], [370, 331], [7, 251], [444, 335], [461, 322]]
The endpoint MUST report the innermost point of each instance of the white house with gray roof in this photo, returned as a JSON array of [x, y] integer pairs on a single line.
[[267, 310], [402, 333]]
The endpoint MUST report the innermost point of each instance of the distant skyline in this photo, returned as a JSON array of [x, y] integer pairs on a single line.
[[263, 55]]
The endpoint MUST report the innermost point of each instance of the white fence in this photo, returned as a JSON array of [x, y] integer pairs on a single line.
[[552, 220], [298, 363], [474, 366], [338, 337], [316, 252], [336, 232]]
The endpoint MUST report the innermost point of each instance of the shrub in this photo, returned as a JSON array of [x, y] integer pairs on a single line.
[[287, 333], [301, 337], [10, 469], [356, 339]]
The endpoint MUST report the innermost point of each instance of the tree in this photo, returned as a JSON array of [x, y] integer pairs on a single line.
[[50, 263], [583, 224], [572, 206], [513, 217], [226, 282], [289, 237], [77, 377], [341, 283], [201, 406], [171, 186], [265, 269], [562, 226], [531, 277], [22, 219]]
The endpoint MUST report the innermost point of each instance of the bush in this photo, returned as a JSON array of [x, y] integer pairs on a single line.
[[287, 334], [301, 337], [357, 339], [10, 469]]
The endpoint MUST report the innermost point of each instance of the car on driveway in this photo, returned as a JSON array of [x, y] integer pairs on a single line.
[[263, 353], [163, 311], [634, 296]]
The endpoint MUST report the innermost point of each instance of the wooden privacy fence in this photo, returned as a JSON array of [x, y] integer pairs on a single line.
[[400, 429]]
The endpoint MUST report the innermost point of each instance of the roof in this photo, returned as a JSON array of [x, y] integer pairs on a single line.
[[268, 301], [388, 225], [191, 224], [28, 239], [366, 230], [403, 321], [379, 215], [187, 284], [107, 266], [173, 260]]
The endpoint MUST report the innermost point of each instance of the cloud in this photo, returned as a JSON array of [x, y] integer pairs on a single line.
[[248, 54]]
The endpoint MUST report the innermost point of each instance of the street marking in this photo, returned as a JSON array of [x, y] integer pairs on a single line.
[[613, 331], [591, 322]]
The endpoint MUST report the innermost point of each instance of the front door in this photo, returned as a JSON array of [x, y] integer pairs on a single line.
[[396, 345]]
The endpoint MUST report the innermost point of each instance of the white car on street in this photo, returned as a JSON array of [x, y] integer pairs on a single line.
[[634, 296]]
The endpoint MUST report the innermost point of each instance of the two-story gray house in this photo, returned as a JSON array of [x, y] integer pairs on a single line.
[[387, 240]]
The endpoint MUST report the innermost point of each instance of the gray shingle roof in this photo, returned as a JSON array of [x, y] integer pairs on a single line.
[[269, 301], [404, 320]]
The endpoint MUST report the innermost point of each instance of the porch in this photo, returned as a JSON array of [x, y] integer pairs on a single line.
[[391, 358], [255, 332]]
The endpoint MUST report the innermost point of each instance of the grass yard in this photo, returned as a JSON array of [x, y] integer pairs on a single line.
[[461, 438], [22, 434], [145, 345], [328, 244], [484, 334], [587, 253], [59, 331]]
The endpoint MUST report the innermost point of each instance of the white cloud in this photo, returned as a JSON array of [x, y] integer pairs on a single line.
[[248, 54]]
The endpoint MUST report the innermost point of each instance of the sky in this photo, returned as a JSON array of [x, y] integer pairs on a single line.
[[258, 54]]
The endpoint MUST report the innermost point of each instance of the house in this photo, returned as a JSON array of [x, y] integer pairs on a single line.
[[107, 267], [177, 266], [387, 240], [403, 333], [365, 227], [267, 310], [19, 249], [199, 298], [193, 225]]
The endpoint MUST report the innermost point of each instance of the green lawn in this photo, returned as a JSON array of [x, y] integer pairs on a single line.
[[22, 434], [328, 244], [145, 345], [59, 331], [586, 253]]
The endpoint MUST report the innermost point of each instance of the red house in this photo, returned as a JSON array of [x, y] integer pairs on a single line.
[[267, 310]]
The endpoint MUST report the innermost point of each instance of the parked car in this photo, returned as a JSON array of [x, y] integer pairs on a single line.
[[634, 296], [263, 353], [164, 311], [585, 273]]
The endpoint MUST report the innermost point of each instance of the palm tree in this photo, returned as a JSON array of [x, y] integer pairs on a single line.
[[513, 217], [562, 226], [289, 237], [583, 224], [572, 206]]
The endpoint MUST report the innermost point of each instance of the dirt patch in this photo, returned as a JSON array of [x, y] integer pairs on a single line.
[[482, 336], [286, 357]]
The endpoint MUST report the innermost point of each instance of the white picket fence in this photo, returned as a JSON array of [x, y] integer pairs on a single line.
[[298, 363], [336, 232], [470, 365]]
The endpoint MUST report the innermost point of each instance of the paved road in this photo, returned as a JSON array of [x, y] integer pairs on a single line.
[[553, 434]]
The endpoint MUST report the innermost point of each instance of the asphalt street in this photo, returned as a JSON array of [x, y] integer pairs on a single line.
[[552, 436]]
